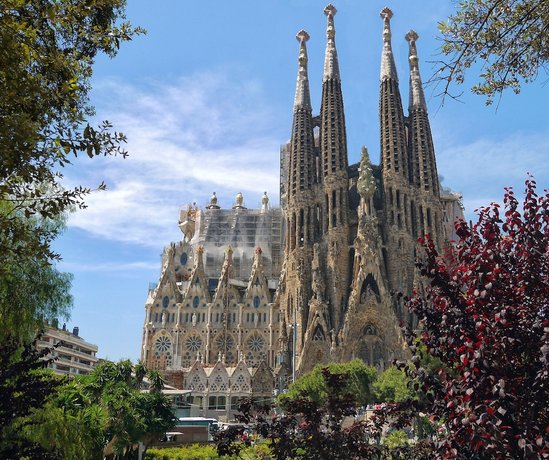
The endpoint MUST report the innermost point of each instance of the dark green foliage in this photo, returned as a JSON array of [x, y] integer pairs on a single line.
[[357, 379], [392, 386], [24, 385], [103, 413]]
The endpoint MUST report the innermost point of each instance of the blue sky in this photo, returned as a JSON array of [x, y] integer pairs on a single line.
[[205, 99]]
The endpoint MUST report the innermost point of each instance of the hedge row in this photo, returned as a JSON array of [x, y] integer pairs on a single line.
[[259, 451]]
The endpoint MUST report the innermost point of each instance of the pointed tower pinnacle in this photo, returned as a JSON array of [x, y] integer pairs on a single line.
[[334, 200], [300, 161], [302, 95], [417, 97], [394, 156], [388, 68], [333, 138], [424, 168], [331, 64]]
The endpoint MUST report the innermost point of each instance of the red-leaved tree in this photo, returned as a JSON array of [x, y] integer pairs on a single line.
[[485, 315]]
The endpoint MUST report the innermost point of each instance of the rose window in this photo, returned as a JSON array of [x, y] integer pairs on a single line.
[[163, 344], [224, 342], [256, 343], [193, 343]]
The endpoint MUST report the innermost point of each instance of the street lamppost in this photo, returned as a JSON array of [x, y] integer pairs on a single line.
[[294, 344]]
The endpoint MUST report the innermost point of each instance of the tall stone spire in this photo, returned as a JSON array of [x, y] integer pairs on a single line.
[[417, 97], [333, 138], [424, 169], [394, 157], [333, 171], [300, 199], [331, 64], [302, 94], [388, 68], [301, 159]]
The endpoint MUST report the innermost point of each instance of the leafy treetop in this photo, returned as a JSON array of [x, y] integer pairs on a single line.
[[48, 49], [510, 38], [357, 376], [103, 413]]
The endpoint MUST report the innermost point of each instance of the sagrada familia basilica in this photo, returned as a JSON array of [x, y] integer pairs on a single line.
[[251, 298]]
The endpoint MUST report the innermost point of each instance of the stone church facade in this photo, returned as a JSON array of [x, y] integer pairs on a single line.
[[320, 278]]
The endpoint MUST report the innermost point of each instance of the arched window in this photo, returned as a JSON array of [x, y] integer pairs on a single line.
[[319, 334], [371, 285]]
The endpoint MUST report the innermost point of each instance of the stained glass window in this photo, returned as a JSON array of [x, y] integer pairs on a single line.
[[193, 343], [256, 343], [163, 343]]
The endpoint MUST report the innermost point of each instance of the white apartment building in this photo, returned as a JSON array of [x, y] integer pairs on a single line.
[[74, 355]]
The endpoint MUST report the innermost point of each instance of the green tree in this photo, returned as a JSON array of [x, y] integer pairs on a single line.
[[31, 289], [102, 414], [24, 385], [47, 50], [508, 39], [392, 386], [358, 378]]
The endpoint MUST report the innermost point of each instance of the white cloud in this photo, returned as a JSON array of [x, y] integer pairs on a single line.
[[480, 170], [109, 266], [185, 139], [205, 133]]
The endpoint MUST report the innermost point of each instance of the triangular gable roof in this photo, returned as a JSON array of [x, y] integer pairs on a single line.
[[241, 367], [220, 368], [257, 281], [261, 368], [197, 368], [225, 289], [198, 283]]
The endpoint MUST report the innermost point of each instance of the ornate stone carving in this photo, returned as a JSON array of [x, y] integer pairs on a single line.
[[366, 184]]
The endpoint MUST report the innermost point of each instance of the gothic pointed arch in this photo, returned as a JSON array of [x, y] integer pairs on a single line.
[[257, 291], [192, 345], [163, 349], [318, 333], [255, 348], [197, 284], [262, 380], [223, 343], [218, 381], [196, 379], [369, 285]]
